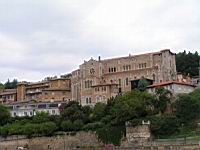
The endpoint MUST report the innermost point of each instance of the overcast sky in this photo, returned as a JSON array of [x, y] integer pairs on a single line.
[[40, 38]]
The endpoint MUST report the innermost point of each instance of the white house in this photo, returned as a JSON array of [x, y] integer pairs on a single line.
[[175, 87], [21, 109]]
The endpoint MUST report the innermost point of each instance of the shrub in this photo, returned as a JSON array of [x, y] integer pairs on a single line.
[[67, 125], [77, 125], [93, 126], [48, 128]]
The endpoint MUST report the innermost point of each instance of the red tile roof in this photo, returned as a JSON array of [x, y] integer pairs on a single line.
[[169, 82]]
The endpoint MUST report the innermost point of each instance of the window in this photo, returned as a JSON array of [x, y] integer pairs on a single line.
[[126, 81], [104, 88], [31, 113], [112, 69], [120, 82], [104, 98], [90, 100], [86, 100], [154, 77], [142, 65], [97, 99], [53, 111], [25, 113], [88, 84], [96, 89]]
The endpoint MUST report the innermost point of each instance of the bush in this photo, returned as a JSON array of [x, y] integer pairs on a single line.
[[30, 129], [93, 126], [164, 125], [15, 129], [77, 125], [67, 125], [111, 134], [4, 131], [48, 128], [4, 114], [187, 108]]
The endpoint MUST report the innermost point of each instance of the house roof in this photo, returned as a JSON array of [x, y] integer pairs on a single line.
[[8, 92], [168, 83]]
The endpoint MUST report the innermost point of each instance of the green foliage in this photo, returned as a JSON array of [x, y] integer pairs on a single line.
[[31, 129], [2, 86], [48, 128], [164, 125], [15, 129], [132, 105], [77, 125], [187, 63], [41, 117], [187, 108], [99, 111], [11, 85], [111, 134], [142, 84], [67, 125], [163, 97], [73, 111], [4, 115], [93, 126], [4, 131]]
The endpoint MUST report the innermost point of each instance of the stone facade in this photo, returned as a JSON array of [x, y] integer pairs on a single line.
[[58, 89], [98, 80], [65, 142], [8, 95], [138, 135]]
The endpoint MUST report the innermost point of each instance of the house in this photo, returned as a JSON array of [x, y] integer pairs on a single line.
[[56, 89], [98, 80], [175, 87], [8, 95], [30, 108]]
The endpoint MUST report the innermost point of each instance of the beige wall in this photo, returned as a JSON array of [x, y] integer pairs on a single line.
[[56, 89], [159, 66]]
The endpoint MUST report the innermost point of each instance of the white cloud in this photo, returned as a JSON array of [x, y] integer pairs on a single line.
[[47, 37]]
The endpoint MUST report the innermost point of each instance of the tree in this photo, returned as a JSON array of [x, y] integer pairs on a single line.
[[11, 85], [163, 97], [187, 108], [164, 125], [99, 111], [48, 128], [73, 111], [134, 104], [4, 115], [1, 86], [187, 63], [142, 84], [41, 117], [67, 125], [77, 125]]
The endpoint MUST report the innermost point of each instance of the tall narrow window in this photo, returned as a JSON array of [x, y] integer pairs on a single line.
[[126, 81], [120, 82]]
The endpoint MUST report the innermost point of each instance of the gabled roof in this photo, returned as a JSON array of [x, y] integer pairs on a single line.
[[168, 83]]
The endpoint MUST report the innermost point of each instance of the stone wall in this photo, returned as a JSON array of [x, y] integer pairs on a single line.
[[64, 142], [138, 135]]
